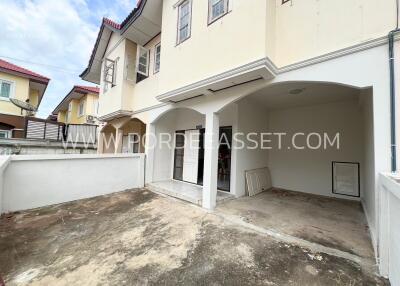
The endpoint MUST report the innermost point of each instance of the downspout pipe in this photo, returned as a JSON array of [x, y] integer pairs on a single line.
[[393, 91], [392, 101]]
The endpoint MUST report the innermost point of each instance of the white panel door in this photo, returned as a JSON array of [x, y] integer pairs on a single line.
[[346, 181], [191, 156]]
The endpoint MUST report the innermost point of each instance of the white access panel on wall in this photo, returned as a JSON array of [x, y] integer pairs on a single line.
[[191, 156], [346, 178]]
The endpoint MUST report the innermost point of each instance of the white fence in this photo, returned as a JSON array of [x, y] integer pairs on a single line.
[[38, 180], [389, 227]]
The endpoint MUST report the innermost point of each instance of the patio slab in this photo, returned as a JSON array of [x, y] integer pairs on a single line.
[[331, 222], [141, 238], [185, 191]]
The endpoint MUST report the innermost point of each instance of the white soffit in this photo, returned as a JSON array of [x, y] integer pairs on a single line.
[[257, 70], [147, 25]]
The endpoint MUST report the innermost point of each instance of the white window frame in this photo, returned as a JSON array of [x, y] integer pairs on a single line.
[[109, 73], [140, 52], [181, 4], [81, 108], [7, 132], [210, 15], [157, 69], [11, 89]]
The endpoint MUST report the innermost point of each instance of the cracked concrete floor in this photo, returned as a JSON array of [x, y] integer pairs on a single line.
[[141, 238]]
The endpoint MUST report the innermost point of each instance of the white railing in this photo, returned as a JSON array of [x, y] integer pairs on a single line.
[[31, 181], [389, 227]]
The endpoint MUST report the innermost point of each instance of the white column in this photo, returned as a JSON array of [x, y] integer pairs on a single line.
[[118, 140], [211, 143], [149, 150], [100, 143]]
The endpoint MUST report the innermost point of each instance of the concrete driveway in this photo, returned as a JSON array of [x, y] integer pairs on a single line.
[[141, 238]]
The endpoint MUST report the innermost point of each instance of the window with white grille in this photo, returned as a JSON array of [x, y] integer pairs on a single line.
[[157, 58], [216, 9], [142, 64], [5, 89], [184, 20]]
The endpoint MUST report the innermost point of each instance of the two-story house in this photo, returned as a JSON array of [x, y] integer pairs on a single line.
[[311, 80], [79, 106], [23, 85]]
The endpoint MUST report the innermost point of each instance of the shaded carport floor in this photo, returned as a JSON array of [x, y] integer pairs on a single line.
[[335, 223], [141, 238]]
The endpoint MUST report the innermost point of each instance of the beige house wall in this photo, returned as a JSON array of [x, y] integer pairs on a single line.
[[20, 91], [308, 28], [234, 40]]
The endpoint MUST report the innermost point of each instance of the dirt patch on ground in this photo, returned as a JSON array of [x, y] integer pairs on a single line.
[[140, 238]]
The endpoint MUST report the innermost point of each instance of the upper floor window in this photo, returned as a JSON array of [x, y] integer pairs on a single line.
[[184, 20], [81, 109], [157, 58], [5, 89], [109, 73], [216, 9], [142, 65]]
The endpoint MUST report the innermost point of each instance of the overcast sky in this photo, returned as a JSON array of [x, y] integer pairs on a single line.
[[55, 38]]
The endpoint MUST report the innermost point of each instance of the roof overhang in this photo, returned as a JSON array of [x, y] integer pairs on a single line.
[[145, 23], [258, 70], [115, 115], [93, 72], [38, 83], [75, 93], [142, 25]]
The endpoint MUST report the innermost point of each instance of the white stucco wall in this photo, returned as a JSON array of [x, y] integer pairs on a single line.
[[368, 196], [40, 180], [4, 161], [251, 118], [308, 170]]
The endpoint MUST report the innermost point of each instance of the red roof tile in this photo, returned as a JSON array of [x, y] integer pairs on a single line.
[[88, 88], [111, 23], [14, 68]]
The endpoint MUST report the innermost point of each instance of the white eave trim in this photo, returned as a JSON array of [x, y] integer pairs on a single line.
[[266, 67], [115, 115]]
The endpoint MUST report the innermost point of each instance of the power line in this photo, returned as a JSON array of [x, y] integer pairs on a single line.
[[74, 72]]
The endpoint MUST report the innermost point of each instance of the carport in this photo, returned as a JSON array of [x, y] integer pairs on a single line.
[[318, 147]]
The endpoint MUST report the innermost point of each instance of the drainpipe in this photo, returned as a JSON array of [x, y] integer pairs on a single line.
[[393, 91], [392, 101]]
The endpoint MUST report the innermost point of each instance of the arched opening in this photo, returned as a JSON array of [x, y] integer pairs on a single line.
[[305, 143], [171, 159], [107, 139], [179, 154], [133, 136]]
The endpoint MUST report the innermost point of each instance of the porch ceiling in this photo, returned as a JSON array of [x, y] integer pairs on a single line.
[[297, 94]]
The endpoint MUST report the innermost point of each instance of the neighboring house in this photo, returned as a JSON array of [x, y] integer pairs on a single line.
[[226, 67], [24, 85], [79, 106]]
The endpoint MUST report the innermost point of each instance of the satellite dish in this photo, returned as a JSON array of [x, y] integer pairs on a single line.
[[24, 106]]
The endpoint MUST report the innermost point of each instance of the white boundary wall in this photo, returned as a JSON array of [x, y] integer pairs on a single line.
[[389, 231], [38, 180], [4, 161]]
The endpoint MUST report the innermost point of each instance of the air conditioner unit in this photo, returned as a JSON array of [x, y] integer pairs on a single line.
[[90, 118]]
